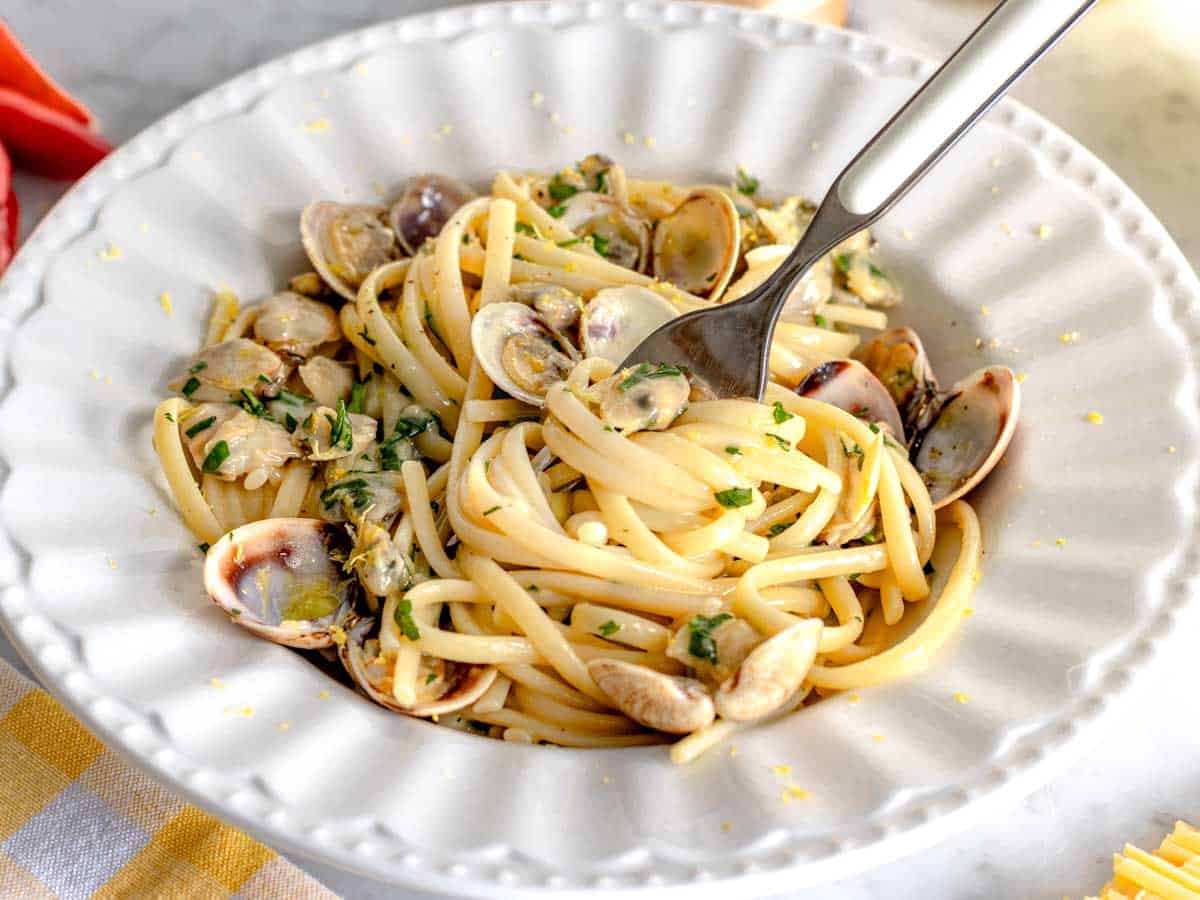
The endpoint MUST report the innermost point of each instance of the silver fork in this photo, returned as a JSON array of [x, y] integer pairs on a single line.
[[727, 346]]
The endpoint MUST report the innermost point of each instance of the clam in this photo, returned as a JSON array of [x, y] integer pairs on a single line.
[[866, 280], [293, 324], [276, 577], [849, 385], [327, 380], [361, 493], [380, 565], [897, 358], [519, 351], [427, 203], [969, 434], [228, 442], [558, 307], [617, 319], [442, 685], [644, 396], [335, 434], [787, 222], [222, 370], [696, 246], [345, 242], [618, 233]]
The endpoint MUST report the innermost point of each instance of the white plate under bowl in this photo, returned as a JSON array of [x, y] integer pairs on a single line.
[[102, 590]]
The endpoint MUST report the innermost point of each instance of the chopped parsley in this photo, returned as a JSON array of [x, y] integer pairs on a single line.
[[602, 181], [929, 569], [191, 386], [217, 455], [843, 262], [431, 678], [560, 190], [170, 417], [200, 426], [600, 244], [645, 371], [198, 367], [263, 378], [821, 321], [289, 421], [779, 414], [358, 397], [340, 432], [251, 404], [700, 641], [525, 228], [735, 497], [365, 335], [733, 450], [356, 490], [779, 528], [746, 183], [488, 512], [203, 548], [406, 622], [609, 628], [570, 243], [870, 537], [286, 396], [780, 442], [558, 211], [854, 450]]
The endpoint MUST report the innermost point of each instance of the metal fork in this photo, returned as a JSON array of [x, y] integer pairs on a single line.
[[727, 346]]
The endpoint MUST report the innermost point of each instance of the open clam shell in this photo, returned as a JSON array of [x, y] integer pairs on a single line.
[[519, 351], [617, 319], [454, 685], [345, 242], [624, 235], [969, 435], [696, 246], [849, 385], [427, 203], [898, 359], [276, 578]]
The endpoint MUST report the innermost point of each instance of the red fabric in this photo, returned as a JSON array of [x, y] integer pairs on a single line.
[[20, 73], [45, 142], [8, 212]]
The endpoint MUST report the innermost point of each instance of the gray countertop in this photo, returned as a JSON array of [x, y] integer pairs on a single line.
[[1126, 83]]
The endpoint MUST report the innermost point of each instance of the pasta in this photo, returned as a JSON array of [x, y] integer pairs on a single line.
[[426, 455]]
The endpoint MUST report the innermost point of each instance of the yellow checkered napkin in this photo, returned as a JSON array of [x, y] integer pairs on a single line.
[[76, 821]]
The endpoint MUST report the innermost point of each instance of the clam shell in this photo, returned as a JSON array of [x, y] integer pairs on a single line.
[[849, 385], [427, 203], [898, 359], [274, 571], [591, 213], [617, 319], [372, 242], [696, 246], [491, 328], [464, 685], [969, 435]]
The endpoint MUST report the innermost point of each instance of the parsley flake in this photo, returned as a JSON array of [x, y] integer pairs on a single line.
[[488, 512], [609, 628], [735, 497], [200, 426], [191, 386], [340, 432], [217, 455], [645, 371], [525, 228], [405, 621], [733, 450], [701, 643], [746, 183]]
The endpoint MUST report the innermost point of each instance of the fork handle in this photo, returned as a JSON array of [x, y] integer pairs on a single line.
[[1009, 41]]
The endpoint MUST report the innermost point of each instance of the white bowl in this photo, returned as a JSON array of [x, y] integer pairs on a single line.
[[102, 589]]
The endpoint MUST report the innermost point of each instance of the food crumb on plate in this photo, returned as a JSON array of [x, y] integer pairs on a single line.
[[878, 738], [537, 98], [793, 792], [985, 309], [217, 683], [968, 612], [1021, 378], [164, 300], [1069, 337], [650, 142], [606, 780], [854, 698], [112, 563], [995, 188], [1095, 418], [727, 827], [1006, 228], [244, 711], [1044, 231], [628, 138], [733, 750], [781, 771], [1172, 449], [960, 697], [322, 695], [110, 252], [1060, 542], [316, 126], [995, 162], [906, 234]]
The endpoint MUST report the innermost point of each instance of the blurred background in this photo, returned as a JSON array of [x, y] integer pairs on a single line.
[[1126, 83]]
